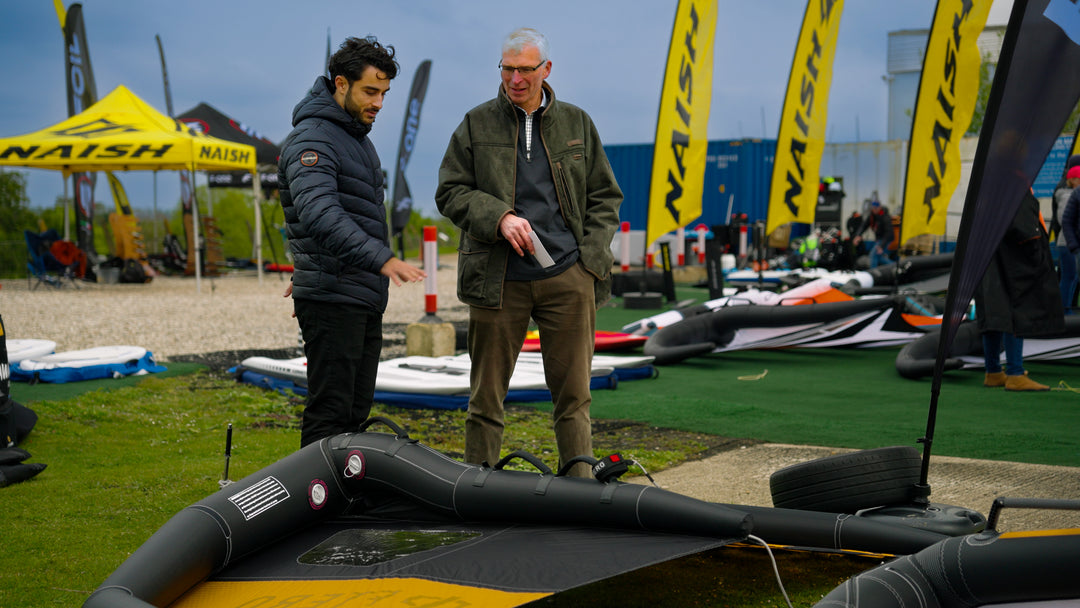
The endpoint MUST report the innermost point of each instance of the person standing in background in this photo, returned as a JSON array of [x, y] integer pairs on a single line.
[[1068, 240], [878, 220], [1018, 297]]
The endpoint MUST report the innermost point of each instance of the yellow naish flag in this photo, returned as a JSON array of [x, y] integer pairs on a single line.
[[800, 143], [678, 170], [943, 109]]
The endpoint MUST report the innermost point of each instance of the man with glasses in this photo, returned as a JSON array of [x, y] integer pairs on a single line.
[[526, 180]]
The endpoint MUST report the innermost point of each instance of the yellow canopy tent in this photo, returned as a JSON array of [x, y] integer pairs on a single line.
[[123, 133]]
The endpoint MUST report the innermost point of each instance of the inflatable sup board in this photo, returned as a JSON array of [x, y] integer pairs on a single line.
[[294, 370], [88, 364], [28, 349]]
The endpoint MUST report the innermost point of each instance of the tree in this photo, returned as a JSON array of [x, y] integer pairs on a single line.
[[15, 216], [414, 233], [14, 204], [986, 79]]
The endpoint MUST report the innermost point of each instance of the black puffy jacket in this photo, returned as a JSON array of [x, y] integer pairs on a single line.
[[332, 194]]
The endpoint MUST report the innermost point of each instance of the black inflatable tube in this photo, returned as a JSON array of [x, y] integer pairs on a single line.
[[355, 472], [702, 334], [326, 478], [912, 269], [203, 538], [840, 531], [916, 359], [975, 570]]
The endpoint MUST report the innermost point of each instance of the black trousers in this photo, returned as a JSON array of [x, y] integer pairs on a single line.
[[342, 344]]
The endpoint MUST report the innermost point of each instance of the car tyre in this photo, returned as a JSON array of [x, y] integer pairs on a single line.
[[847, 483]]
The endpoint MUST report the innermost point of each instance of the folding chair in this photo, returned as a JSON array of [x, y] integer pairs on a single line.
[[42, 265]]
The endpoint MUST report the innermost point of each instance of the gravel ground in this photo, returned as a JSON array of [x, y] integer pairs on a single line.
[[236, 316], [175, 318]]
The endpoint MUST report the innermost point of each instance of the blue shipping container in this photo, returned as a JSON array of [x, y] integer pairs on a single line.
[[737, 173]]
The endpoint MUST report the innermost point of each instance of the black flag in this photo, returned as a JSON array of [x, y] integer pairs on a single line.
[[1021, 124], [402, 208], [81, 94], [164, 75]]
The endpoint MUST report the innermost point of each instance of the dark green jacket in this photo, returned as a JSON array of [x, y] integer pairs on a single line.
[[476, 189]]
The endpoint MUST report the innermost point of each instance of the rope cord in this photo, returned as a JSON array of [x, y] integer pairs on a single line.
[[776, 570], [642, 467], [1062, 386]]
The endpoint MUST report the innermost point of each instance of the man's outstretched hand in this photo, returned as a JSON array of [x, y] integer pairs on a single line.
[[400, 272]]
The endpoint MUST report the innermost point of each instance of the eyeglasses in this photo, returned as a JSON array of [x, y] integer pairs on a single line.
[[524, 71]]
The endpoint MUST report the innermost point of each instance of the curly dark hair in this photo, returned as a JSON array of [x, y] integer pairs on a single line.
[[356, 54]]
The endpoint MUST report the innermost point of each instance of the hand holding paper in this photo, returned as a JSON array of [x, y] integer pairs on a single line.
[[541, 254]]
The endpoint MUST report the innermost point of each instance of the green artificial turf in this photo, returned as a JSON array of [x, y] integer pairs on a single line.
[[851, 398]]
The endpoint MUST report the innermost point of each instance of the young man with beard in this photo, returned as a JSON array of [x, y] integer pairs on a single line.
[[331, 184]]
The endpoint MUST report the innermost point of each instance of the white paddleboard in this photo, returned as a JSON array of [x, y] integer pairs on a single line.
[[294, 370], [100, 355], [422, 374], [440, 375], [18, 350], [397, 376], [599, 362]]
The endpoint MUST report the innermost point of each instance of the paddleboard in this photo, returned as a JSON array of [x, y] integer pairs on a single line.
[[603, 341], [445, 376], [615, 362], [415, 374], [28, 349], [100, 355], [294, 370], [440, 375], [88, 364]]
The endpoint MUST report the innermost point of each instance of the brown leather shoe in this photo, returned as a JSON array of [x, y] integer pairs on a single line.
[[1023, 383], [994, 379]]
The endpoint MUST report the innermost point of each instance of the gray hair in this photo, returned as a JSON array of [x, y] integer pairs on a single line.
[[522, 37]]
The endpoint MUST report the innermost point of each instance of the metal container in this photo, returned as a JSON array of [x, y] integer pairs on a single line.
[[737, 173]]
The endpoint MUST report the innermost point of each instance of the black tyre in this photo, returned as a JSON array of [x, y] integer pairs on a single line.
[[847, 483]]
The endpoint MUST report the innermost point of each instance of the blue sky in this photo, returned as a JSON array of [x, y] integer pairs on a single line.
[[253, 60]]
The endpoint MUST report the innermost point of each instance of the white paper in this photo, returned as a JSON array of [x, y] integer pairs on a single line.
[[541, 254]]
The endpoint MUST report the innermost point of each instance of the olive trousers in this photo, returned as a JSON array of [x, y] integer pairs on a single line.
[[564, 308]]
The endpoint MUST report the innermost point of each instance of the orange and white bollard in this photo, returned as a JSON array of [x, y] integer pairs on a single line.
[[624, 246], [680, 246], [431, 267], [701, 230]]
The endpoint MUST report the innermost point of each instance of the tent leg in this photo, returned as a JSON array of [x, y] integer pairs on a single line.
[[195, 240]]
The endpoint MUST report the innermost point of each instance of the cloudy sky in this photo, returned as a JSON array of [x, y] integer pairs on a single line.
[[253, 60]]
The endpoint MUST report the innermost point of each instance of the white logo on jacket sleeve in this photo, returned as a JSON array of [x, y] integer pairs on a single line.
[[309, 158]]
